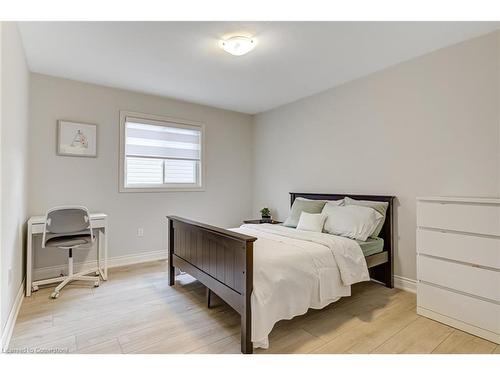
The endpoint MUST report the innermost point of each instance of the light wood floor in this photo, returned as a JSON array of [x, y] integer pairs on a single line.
[[137, 312]]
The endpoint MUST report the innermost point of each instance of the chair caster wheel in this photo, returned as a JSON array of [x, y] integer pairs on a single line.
[[34, 288], [97, 273], [96, 284], [54, 295]]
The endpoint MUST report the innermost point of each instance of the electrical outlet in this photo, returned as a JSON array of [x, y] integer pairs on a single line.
[[10, 276], [140, 232]]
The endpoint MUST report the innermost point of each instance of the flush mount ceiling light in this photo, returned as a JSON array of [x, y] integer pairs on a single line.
[[238, 45]]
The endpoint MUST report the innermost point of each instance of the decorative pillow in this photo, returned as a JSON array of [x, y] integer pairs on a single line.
[[356, 222], [380, 207], [311, 222], [300, 205]]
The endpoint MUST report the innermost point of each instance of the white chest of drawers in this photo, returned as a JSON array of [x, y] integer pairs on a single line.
[[458, 263]]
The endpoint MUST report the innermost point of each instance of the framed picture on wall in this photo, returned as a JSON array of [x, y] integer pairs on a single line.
[[76, 139]]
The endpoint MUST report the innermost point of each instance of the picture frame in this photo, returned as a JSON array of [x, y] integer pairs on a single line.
[[76, 139]]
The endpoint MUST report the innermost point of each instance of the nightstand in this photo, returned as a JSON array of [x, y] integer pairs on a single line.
[[262, 221]]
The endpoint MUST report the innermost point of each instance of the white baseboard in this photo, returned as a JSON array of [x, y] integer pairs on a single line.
[[405, 283], [11, 321], [124, 260], [148, 256]]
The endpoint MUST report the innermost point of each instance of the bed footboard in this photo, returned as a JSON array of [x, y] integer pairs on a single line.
[[220, 259]]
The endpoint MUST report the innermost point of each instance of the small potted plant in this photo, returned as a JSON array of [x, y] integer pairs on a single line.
[[266, 214]]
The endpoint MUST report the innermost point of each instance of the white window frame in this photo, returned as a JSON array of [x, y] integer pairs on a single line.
[[158, 120]]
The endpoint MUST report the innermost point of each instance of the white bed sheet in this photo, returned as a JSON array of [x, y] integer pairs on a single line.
[[296, 270]]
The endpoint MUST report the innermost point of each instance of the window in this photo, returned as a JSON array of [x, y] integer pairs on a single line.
[[159, 154]]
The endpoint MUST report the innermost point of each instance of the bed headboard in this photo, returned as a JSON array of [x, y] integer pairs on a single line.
[[387, 232]]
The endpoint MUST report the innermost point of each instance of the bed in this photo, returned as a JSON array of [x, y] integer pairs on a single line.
[[237, 267]]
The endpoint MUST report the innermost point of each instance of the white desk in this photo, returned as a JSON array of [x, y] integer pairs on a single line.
[[35, 227]]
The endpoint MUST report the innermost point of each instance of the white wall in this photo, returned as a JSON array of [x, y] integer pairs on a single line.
[[14, 131], [93, 182], [429, 126]]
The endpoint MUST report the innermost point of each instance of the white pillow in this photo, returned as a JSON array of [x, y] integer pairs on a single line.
[[351, 221], [311, 222], [339, 202]]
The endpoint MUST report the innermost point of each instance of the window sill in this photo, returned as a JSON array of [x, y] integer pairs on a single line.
[[160, 189]]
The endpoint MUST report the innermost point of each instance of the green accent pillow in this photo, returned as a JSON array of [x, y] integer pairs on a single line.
[[310, 206], [380, 207]]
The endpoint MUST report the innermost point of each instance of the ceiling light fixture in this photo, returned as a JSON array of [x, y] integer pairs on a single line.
[[238, 45]]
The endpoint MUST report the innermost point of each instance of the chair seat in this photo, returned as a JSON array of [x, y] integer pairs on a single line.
[[69, 240]]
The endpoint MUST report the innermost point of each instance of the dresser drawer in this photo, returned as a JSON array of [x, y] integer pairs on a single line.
[[479, 313], [463, 217], [483, 251], [464, 278]]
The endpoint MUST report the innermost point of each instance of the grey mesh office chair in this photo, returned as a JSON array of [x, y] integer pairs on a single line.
[[69, 228]]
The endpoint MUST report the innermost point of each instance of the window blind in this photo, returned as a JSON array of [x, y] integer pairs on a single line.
[[161, 153]]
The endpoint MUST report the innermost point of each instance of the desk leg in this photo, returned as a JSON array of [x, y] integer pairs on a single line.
[[29, 262], [98, 251], [106, 252], [103, 242]]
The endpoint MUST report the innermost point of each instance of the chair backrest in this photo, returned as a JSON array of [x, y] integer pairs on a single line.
[[66, 220]]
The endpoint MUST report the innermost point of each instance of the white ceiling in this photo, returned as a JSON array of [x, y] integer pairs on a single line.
[[182, 59]]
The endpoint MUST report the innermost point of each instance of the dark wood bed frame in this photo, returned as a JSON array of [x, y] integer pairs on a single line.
[[222, 260]]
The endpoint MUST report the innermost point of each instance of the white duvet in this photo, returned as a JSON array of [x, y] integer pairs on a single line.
[[296, 270]]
